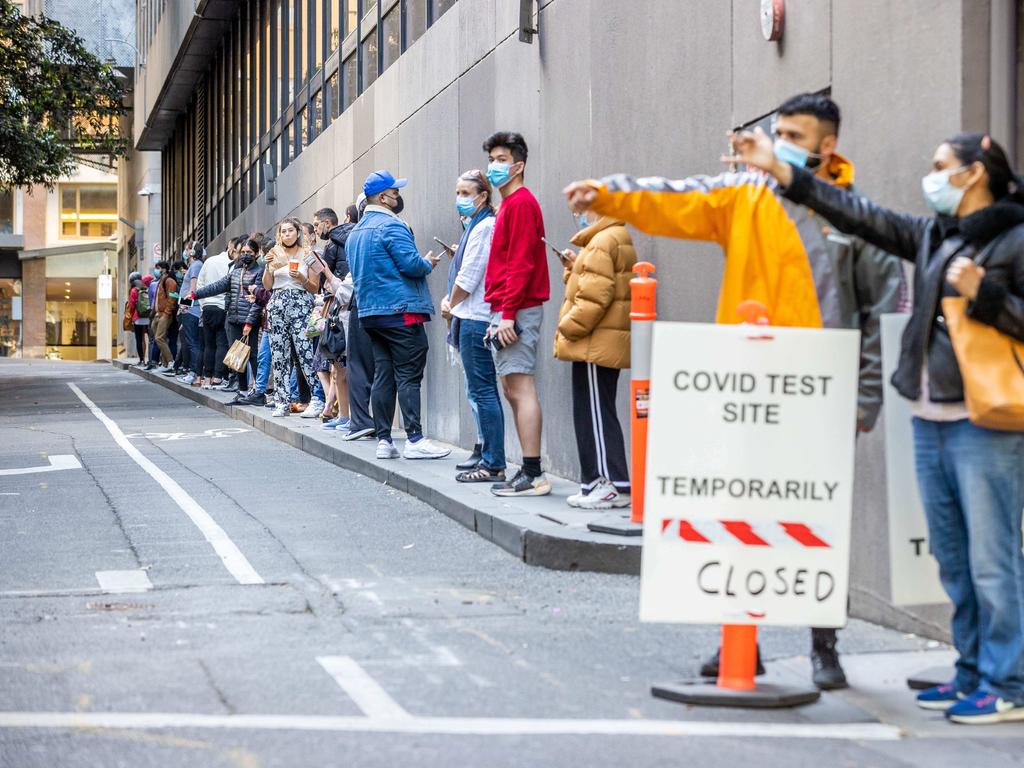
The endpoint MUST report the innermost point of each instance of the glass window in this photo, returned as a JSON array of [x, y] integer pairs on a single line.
[[289, 134], [10, 318], [302, 29], [440, 6], [351, 11], [318, 36], [392, 35], [333, 95], [265, 117], [415, 20], [6, 212], [302, 126], [369, 6], [369, 46], [283, 52], [88, 210], [316, 116], [351, 84]]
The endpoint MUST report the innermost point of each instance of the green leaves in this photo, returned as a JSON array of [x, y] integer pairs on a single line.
[[57, 101]]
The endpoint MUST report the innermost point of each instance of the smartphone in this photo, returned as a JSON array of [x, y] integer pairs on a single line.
[[185, 301], [447, 248], [554, 250], [494, 343], [315, 264]]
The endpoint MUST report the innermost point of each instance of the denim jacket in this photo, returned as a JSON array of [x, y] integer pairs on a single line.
[[389, 275]]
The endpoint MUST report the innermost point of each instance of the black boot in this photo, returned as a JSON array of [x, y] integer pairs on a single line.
[[473, 461], [828, 672], [710, 667]]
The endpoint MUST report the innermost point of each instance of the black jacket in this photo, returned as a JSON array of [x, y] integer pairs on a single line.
[[236, 285], [334, 251], [931, 243]]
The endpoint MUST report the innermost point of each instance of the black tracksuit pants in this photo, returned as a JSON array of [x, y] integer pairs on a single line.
[[599, 438], [359, 363]]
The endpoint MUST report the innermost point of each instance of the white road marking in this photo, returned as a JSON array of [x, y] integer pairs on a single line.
[[124, 581], [231, 556], [453, 726], [57, 463], [362, 689], [216, 433]]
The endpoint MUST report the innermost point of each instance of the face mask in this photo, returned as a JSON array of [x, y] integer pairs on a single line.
[[178, 276], [581, 221], [788, 152], [939, 192], [466, 206], [399, 205], [499, 174], [157, 271], [325, 235], [246, 259]]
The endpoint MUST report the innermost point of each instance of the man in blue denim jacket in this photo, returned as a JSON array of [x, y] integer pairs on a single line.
[[394, 304]]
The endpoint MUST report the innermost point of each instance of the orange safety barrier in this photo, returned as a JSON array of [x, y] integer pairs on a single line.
[[643, 313]]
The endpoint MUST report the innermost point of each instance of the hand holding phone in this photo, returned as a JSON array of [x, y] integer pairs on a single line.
[[447, 248]]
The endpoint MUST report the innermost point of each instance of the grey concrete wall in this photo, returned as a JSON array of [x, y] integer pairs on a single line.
[[648, 87]]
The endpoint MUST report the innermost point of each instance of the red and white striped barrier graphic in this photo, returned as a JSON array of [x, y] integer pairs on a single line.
[[739, 532]]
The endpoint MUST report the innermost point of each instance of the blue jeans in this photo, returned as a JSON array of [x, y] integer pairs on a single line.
[[972, 487], [482, 391], [190, 336], [263, 364]]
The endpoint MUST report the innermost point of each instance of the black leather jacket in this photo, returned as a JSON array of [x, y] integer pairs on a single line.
[[931, 243]]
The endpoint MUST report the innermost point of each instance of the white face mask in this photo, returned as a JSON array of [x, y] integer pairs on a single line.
[[939, 192]]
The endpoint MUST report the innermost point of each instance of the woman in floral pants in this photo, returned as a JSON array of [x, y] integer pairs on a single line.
[[287, 275]]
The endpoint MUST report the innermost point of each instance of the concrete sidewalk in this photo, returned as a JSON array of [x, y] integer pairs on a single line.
[[542, 531]]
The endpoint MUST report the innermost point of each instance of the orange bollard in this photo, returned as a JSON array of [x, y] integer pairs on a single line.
[[738, 658], [643, 313]]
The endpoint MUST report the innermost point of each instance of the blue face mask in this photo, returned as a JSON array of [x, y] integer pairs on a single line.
[[581, 221], [942, 196], [788, 152], [465, 205], [499, 174], [157, 271]]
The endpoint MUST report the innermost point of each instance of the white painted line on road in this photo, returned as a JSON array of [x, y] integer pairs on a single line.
[[57, 463], [232, 557], [453, 726], [124, 581], [362, 689]]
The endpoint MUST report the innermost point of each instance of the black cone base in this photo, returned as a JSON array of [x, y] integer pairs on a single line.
[[929, 678], [705, 693], [617, 523]]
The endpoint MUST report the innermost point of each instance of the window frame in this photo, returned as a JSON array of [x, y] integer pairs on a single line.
[[77, 186]]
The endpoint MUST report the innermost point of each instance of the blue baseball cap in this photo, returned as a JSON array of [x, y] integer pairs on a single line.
[[378, 181]]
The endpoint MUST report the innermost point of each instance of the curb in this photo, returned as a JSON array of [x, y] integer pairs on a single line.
[[551, 538]]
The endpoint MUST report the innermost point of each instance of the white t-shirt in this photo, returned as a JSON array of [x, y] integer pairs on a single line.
[[213, 270], [284, 281]]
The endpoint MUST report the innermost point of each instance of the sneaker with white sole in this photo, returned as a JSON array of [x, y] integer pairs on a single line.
[[424, 449], [522, 484], [313, 410], [280, 410], [604, 495], [939, 698], [386, 450], [984, 708], [188, 378], [357, 434]]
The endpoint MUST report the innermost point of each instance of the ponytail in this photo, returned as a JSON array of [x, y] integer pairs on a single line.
[[1003, 182]]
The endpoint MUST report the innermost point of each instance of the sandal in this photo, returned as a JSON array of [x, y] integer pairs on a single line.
[[481, 475]]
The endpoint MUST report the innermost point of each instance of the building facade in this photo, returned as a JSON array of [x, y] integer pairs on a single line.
[[268, 108], [55, 244]]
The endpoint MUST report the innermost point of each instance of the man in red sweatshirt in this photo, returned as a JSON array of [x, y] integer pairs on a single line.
[[516, 285]]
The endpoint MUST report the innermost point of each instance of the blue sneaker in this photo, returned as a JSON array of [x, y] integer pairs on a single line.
[[939, 698], [338, 422], [984, 708]]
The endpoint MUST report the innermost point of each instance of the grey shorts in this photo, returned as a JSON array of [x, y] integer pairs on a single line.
[[520, 357]]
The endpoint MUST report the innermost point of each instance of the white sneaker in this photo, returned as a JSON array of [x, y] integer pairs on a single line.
[[281, 410], [386, 450], [424, 449], [313, 410], [603, 496]]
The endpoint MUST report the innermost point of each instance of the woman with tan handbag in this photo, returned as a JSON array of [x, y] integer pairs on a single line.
[[968, 395]]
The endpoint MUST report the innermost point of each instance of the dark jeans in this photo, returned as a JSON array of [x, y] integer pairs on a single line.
[[972, 487], [234, 333], [215, 342], [399, 357], [192, 357], [359, 353], [482, 391], [141, 333]]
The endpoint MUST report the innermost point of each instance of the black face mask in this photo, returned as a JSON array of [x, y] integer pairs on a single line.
[[326, 234], [398, 206], [246, 259]]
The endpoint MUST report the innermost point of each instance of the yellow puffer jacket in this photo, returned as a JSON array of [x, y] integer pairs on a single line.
[[593, 324], [765, 257]]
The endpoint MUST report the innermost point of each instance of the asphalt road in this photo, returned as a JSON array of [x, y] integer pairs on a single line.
[[295, 614]]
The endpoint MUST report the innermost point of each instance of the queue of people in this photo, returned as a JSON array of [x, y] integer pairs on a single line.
[[343, 305]]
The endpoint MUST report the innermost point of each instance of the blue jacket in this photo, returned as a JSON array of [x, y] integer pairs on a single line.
[[389, 275]]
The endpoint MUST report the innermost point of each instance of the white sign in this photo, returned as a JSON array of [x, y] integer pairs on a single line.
[[158, 251], [749, 475], [913, 572], [104, 287]]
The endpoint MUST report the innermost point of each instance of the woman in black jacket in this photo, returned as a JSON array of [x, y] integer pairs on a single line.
[[242, 313], [971, 478]]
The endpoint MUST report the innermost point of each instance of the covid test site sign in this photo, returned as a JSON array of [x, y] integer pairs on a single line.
[[749, 475]]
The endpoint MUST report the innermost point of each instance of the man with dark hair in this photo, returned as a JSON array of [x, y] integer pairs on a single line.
[[516, 285], [325, 221], [775, 248]]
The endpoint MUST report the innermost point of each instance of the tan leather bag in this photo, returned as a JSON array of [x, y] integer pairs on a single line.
[[238, 355], [992, 368]]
